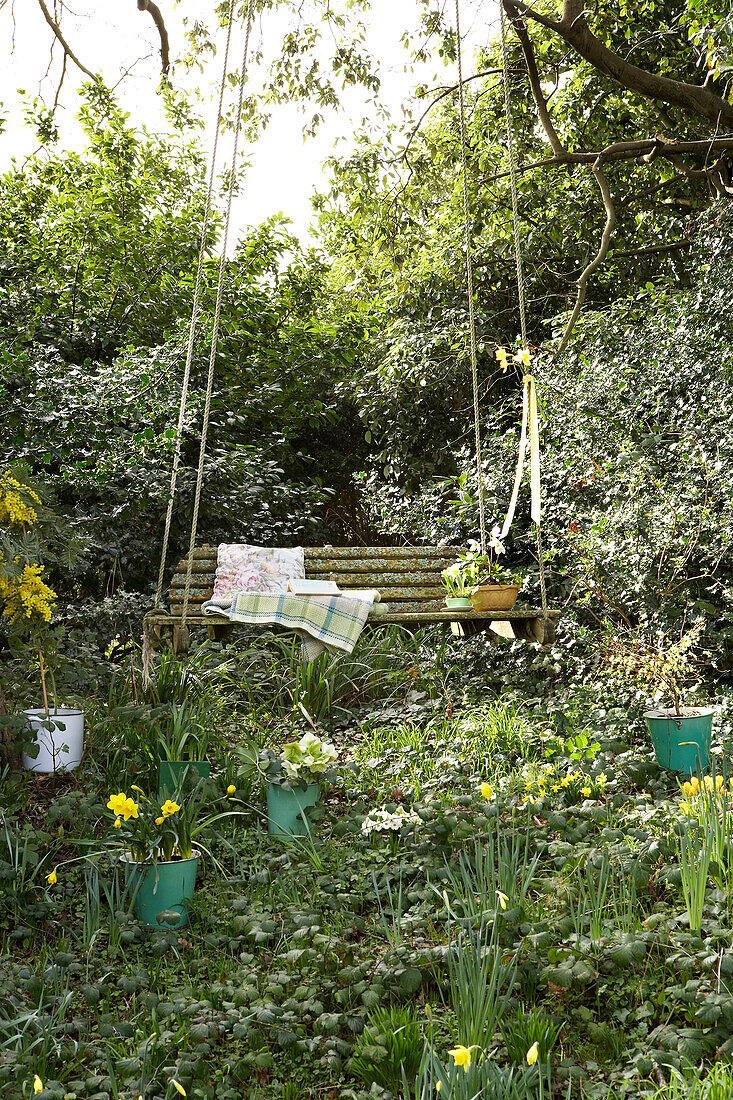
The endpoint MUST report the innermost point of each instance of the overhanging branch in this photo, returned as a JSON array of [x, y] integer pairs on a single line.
[[628, 150], [68, 52], [535, 82], [157, 17]]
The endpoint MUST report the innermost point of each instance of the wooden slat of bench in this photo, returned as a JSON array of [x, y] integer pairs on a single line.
[[317, 553], [349, 579], [386, 553], [320, 566], [418, 616], [390, 586], [389, 595], [431, 567]]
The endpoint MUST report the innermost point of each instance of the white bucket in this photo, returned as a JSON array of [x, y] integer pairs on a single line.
[[60, 738]]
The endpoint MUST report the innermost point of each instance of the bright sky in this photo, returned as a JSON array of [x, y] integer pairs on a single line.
[[285, 169]]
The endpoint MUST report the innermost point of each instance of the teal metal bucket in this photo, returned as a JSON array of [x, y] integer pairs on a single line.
[[681, 744], [284, 809], [161, 886], [172, 773]]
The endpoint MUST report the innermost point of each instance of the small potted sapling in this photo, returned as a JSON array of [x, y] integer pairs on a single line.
[[680, 733], [295, 778], [53, 735]]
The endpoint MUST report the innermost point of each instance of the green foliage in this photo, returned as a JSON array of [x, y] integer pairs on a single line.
[[271, 671], [480, 986], [389, 1050], [525, 1028], [100, 248]]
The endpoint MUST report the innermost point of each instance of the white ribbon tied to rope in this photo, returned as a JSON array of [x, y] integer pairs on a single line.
[[530, 430]]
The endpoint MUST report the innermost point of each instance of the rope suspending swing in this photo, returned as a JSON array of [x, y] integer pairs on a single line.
[[529, 429], [195, 314]]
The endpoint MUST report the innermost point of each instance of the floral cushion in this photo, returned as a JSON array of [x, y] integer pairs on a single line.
[[244, 568]]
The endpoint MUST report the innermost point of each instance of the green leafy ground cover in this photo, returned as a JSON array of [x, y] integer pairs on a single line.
[[316, 969]]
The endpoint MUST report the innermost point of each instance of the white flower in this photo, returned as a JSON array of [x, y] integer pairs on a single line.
[[495, 542]]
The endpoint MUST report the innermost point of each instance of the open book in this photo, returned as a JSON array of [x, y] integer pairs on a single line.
[[299, 586]]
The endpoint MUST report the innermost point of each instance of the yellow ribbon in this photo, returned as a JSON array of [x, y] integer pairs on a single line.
[[530, 427]]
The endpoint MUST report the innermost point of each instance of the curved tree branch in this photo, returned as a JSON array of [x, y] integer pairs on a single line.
[[535, 83], [597, 260], [644, 148], [573, 29], [157, 17], [68, 52]]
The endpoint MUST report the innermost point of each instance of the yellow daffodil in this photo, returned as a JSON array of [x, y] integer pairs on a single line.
[[231, 789], [130, 809], [585, 791], [533, 1054], [178, 1086], [169, 807], [461, 1056], [122, 806], [556, 788], [159, 820], [439, 1086], [503, 899], [501, 355], [487, 791], [37, 1084], [523, 357], [134, 788], [118, 823], [52, 879]]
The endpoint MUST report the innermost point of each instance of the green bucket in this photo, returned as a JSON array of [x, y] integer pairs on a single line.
[[681, 744], [165, 885], [172, 774], [284, 809]]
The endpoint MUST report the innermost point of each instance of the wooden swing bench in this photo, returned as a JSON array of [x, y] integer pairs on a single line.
[[407, 577]]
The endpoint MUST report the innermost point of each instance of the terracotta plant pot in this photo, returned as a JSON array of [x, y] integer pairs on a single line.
[[494, 597]]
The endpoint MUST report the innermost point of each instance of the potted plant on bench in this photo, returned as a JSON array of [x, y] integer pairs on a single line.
[[491, 587], [457, 586]]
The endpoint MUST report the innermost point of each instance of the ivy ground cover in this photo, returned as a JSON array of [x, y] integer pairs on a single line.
[[485, 906]]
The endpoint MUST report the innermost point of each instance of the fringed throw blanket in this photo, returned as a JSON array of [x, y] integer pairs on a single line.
[[323, 622]]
